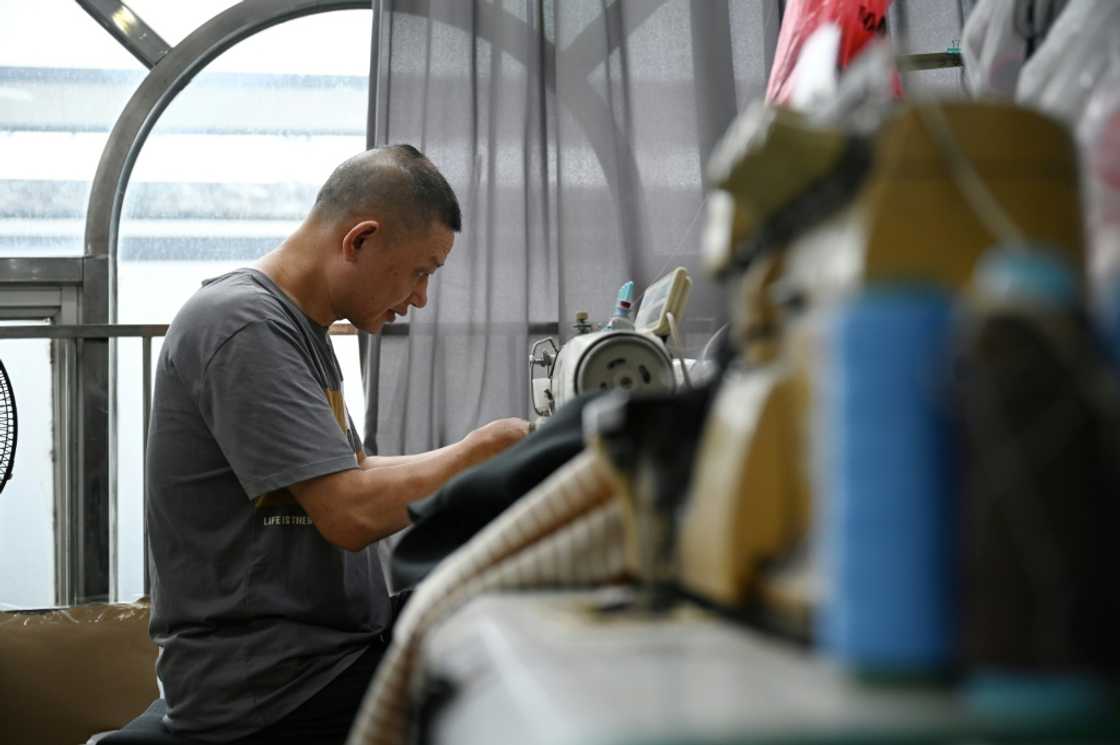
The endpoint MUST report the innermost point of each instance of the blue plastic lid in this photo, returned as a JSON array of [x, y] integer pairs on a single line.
[[1032, 273]]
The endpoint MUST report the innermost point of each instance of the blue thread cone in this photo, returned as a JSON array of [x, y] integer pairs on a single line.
[[888, 487]]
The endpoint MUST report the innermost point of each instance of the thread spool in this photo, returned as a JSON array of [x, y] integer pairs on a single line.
[[1038, 512], [888, 486], [1026, 275]]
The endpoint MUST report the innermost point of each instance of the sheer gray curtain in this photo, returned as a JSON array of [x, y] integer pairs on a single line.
[[574, 133]]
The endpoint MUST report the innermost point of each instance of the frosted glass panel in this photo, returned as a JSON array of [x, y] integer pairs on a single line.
[[63, 83]]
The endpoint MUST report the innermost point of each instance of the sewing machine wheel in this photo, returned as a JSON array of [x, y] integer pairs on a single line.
[[624, 361]]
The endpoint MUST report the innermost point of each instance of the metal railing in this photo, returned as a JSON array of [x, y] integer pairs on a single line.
[[147, 332], [69, 525], [74, 334]]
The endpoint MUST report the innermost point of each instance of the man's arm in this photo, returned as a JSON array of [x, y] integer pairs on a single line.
[[380, 461], [354, 508]]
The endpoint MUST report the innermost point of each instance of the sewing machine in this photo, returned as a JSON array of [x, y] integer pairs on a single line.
[[637, 359]]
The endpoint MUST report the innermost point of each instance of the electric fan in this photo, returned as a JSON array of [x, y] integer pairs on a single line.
[[7, 427]]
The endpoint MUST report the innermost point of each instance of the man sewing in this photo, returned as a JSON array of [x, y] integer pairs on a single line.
[[268, 600]]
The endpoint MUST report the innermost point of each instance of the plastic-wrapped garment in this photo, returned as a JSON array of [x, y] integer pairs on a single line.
[[1075, 77], [1098, 134], [993, 49], [860, 21], [68, 673], [999, 37], [1062, 75]]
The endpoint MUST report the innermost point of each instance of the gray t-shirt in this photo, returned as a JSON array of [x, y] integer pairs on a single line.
[[254, 611]]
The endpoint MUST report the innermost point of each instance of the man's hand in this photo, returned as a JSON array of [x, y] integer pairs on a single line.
[[490, 439]]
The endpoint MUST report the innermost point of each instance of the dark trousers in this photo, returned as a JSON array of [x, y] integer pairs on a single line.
[[325, 718]]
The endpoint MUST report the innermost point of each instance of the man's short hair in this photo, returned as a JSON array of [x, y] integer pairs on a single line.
[[396, 179]]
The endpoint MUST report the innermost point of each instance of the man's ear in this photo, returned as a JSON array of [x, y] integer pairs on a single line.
[[357, 238]]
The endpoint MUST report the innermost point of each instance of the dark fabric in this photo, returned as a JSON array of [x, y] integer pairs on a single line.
[[651, 440], [449, 518], [1039, 415], [147, 729], [324, 719]]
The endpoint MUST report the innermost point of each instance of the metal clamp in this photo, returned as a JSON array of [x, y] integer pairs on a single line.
[[547, 360]]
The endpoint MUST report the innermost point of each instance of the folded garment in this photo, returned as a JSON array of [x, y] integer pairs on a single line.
[[567, 532], [453, 515]]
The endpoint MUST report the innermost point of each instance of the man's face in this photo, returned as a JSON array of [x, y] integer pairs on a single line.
[[391, 274]]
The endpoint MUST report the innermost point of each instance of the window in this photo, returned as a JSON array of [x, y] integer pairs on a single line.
[[27, 505], [229, 171], [61, 90], [62, 87]]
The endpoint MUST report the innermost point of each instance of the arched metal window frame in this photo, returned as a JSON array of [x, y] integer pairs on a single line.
[[175, 70], [89, 532], [167, 79]]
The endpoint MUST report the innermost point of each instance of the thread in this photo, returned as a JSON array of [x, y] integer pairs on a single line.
[[1038, 411], [888, 485]]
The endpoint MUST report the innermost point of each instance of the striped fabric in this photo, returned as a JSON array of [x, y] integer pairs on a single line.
[[565, 533]]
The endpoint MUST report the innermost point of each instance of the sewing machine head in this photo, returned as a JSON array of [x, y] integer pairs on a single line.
[[622, 355]]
